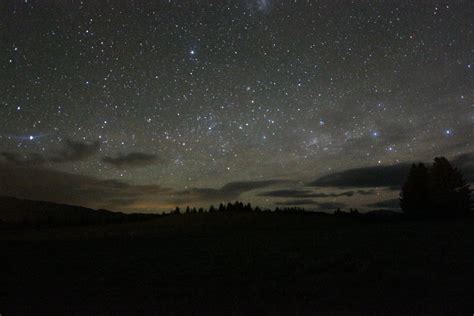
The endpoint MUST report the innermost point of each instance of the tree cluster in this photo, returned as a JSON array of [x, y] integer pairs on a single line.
[[351, 213], [238, 207], [438, 191]]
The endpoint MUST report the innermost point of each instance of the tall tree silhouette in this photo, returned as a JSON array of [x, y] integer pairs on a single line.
[[415, 195], [450, 192], [221, 208]]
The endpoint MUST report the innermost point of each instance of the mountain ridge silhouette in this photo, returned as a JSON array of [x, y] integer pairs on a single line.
[[33, 212]]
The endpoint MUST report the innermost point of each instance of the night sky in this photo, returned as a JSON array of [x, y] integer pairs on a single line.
[[145, 105]]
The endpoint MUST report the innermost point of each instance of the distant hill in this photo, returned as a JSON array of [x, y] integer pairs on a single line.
[[383, 213], [28, 212]]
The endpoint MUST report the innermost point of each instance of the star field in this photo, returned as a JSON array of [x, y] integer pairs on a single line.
[[189, 96]]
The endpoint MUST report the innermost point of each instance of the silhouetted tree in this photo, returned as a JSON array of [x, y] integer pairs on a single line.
[[450, 192], [415, 195], [221, 208], [248, 207], [212, 209], [439, 191], [176, 211], [354, 212]]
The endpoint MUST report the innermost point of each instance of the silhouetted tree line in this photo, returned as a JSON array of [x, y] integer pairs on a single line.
[[351, 213], [438, 191], [236, 207]]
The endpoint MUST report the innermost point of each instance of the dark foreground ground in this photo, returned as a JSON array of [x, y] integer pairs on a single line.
[[240, 264]]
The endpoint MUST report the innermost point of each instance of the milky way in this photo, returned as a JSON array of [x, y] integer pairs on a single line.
[[148, 105]]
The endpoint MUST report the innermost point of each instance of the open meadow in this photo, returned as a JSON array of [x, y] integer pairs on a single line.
[[234, 263]]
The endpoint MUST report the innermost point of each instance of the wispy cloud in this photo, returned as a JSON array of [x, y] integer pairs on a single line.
[[70, 152], [312, 194], [391, 203], [227, 192], [40, 183], [132, 160], [315, 205]]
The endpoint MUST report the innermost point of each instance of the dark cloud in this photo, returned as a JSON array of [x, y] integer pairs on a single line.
[[465, 163], [228, 192], [17, 159], [386, 176], [75, 151], [132, 160], [298, 202], [324, 206], [244, 186], [367, 177], [392, 204], [72, 151], [39, 183], [365, 192], [311, 194]]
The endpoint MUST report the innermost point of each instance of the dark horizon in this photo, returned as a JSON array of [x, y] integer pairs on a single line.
[[26, 181]]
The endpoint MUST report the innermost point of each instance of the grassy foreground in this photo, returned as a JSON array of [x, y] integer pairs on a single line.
[[222, 264]]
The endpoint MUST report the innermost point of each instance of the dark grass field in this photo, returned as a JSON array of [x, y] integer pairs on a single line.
[[232, 264]]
